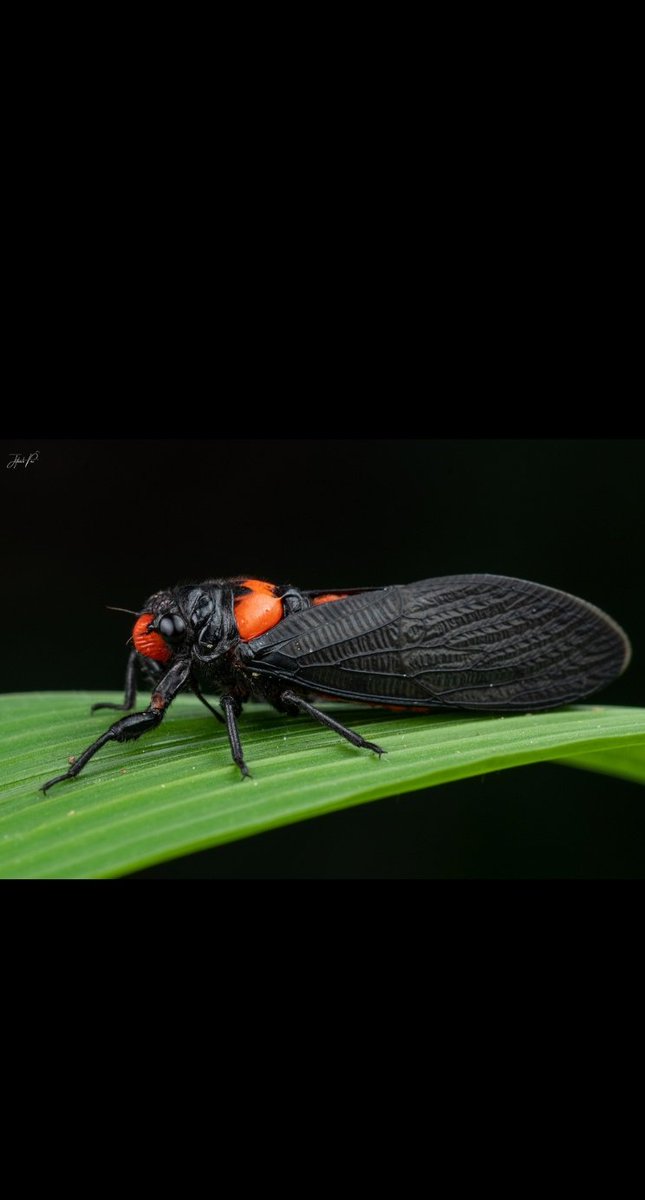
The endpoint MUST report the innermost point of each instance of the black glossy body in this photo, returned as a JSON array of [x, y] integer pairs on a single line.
[[465, 641]]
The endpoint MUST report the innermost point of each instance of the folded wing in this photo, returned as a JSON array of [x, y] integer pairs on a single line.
[[464, 641]]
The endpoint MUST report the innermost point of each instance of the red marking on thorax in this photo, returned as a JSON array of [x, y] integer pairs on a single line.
[[258, 609], [328, 598]]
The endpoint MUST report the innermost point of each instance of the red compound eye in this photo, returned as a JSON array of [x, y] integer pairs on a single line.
[[151, 645]]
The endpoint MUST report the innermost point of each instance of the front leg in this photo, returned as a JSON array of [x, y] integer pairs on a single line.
[[137, 723], [130, 697]]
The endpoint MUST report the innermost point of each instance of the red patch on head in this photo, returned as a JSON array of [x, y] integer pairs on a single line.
[[150, 644]]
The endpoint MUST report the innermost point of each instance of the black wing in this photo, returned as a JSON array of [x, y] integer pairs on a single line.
[[464, 641]]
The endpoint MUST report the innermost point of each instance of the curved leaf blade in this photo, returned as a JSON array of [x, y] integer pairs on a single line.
[[176, 791]]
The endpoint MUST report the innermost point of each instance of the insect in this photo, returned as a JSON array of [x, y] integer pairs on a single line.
[[481, 642]]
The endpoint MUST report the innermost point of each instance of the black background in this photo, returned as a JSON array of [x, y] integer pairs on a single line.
[[108, 522]]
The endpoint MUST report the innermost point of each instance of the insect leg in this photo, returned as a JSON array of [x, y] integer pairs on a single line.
[[130, 698], [355, 738], [232, 709], [134, 725], [206, 703]]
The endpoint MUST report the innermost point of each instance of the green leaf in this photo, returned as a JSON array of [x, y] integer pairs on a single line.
[[628, 763], [176, 790]]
